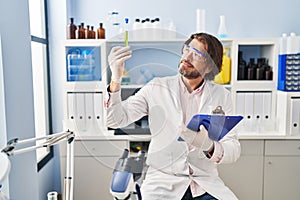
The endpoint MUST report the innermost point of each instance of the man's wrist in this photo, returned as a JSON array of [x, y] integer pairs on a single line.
[[114, 86], [209, 153]]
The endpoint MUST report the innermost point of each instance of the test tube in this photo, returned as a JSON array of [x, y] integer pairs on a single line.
[[126, 32]]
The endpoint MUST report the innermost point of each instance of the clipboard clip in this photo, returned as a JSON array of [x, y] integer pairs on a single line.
[[218, 111]]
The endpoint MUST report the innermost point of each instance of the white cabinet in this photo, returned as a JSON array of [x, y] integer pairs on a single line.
[[267, 170], [94, 161], [254, 84], [245, 177], [281, 170], [85, 82], [288, 109]]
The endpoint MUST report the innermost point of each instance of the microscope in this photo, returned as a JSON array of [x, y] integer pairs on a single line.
[[127, 172]]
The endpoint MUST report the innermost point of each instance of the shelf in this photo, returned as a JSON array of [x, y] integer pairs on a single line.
[[84, 42], [85, 86], [254, 85]]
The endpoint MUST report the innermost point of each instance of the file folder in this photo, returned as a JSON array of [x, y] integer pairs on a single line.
[[217, 126]]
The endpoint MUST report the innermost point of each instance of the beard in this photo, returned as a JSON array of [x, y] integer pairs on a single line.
[[187, 70]]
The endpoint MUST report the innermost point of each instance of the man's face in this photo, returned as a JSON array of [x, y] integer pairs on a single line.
[[193, 61]]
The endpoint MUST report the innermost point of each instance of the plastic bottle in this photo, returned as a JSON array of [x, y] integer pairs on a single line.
[[222, 30], [71, 29], [116, 26], [224, 76], [291, 44], [171, 31], [283, 44], [157, 28], [146, 29], [137, 29], [52, 195], [101, 31]]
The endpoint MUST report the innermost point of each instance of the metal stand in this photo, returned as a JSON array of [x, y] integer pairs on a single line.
[[51, 140]]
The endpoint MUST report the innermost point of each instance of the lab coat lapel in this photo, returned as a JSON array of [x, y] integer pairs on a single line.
[[206, 98]]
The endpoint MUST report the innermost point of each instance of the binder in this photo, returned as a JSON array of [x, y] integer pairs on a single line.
[[295, 116], [258, 106], [71, 106], [267, 106], [80, 112], [89, 110], [217, 126]]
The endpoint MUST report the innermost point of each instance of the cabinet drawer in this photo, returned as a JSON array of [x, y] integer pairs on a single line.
[[282, 147], [97, 148], [252, 147], [100, 148]]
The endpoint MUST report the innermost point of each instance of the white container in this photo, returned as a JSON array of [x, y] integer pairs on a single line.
[[222, 30], [293, 46], [137, 29], [200, 20], [157, 29], [147, 25], [52, 195], [283, 44], [170, 32]]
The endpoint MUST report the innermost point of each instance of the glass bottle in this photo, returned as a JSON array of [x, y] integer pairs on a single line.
[[92, 33], [242, 67], [81, 31], [251, 72], [71, 29], [87, 32], [101, 31], [222, 30]]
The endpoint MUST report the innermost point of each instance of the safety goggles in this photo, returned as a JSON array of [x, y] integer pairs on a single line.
[[197, 55]]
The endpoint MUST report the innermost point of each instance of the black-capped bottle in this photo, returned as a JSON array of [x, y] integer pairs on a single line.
[[81, 31], [92, 33], [87, 32], [242, 67], [71, 29], [251, 70], [261, 68], [101, 31]]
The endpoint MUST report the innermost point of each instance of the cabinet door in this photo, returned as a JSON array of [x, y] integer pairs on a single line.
[[94, 161], [93, 177], [282, 178], [245, 177]]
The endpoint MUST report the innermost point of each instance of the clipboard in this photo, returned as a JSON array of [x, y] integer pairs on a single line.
[[217, 126]]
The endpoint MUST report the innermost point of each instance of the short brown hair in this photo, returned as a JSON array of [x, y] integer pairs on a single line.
[[214, 49]]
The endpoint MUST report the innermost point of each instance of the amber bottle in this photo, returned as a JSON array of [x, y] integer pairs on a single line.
[[81, 31], [92, 33], [87, 32], [101, 32], [71, 29]]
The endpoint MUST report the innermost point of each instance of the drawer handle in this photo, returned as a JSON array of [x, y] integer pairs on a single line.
[[298, 148], [270, 163]]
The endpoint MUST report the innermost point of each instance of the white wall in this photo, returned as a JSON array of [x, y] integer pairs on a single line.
[[255, 18], [3, 138], [18, 94], [57, 25]]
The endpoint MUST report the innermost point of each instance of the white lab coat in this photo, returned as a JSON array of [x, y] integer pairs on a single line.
[[168, 159]]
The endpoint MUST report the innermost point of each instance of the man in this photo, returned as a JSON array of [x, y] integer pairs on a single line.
[[179, 169]]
